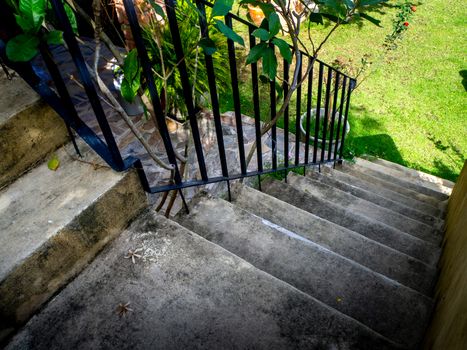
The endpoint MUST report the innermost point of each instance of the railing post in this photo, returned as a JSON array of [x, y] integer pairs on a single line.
[[333, 115], [236, 97], [352, 84], [272, 101], [299, 62], [173, 24], [254, 79], [339, 122], [147, 71], [318, 112], [213, 91], [85, 77]]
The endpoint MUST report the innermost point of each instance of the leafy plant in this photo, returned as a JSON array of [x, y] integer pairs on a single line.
[[30, 16], [400, 24], [158, 40]]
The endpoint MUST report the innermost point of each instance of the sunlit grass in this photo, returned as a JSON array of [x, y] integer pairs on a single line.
[[411, 107]]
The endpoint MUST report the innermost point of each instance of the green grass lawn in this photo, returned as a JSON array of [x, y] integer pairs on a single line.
[[411, 107]]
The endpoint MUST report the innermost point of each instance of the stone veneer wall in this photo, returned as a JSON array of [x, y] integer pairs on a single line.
[[448, 329]]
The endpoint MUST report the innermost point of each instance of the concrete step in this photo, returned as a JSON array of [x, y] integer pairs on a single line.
[[53, 223], [29, 129], [390, 175], [345, 183], [368, 209], [377, 257], [185, 293], [376, 178], [340, 174], [375, 230], [389, 308], [418, 177]]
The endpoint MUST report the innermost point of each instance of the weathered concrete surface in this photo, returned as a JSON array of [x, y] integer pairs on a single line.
[[420, 178], [185, 293], [375, 230], [365, 208], [328, 176], [29, 129], [389, 308], [377, 257], [52, 224], [392, 184], [354, 179]]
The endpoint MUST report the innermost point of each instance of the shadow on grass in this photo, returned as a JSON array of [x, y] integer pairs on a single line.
[[381, 146], [463, 74]]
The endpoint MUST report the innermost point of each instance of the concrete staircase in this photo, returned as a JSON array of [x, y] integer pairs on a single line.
[[52, 223], [320, 261], [342, 258]]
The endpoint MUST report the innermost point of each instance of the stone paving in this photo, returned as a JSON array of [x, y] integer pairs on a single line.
[[130, 146]]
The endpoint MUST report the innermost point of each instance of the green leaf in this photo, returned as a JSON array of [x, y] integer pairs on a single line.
[[157, 8], [221, 8], [261, 33], [22, 48], [274, 24], [229, 33], [53, 163], [267, 8], [33, 11], [371, 19], [256, 53], [263, 79], [279, 90], [349, 4], [54, 37], [316, 18], [25, 24], [284, 49], [131, 65], [371, 2], [71, 17], [208, 46], [269, 63], [127, 91]]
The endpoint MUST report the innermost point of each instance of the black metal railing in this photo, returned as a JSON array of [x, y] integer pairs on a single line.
[[327, 96]]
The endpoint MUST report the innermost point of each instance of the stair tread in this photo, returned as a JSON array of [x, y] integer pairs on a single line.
[[377, 231], [331, 177], [368, 209], [377, 257], [185, 292], [53, 222], [416, 176], [391, 309], [16, 96], [386, 174], [375, 178], [353, 178]]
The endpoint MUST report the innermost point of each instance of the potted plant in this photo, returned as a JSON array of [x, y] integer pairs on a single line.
[[158, 42]]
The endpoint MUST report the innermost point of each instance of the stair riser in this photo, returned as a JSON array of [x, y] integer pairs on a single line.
[[379, 232], [26, 138], [366, 208], [49, 268], [379, 180], [348, 287], [377, 257], [331, 180]]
